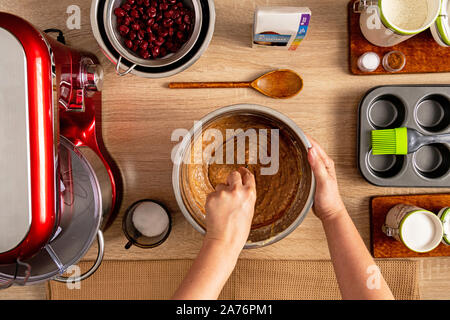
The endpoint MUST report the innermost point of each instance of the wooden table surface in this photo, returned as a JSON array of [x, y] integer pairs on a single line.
[[139, 116]]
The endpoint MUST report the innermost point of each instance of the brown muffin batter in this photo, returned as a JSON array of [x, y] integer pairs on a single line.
[[275, 193]]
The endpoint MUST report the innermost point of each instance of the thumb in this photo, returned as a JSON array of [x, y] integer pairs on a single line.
[[317, 165]]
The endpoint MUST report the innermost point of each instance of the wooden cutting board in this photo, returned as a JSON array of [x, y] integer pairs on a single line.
[[383, 246], [422, 53]]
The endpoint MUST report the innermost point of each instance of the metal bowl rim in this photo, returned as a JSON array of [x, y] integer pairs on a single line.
[[205, 43], [112, 35], [253, 108]]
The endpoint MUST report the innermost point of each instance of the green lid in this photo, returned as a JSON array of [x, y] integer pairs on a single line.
[[400, 31], [444, 215], [442, 23]]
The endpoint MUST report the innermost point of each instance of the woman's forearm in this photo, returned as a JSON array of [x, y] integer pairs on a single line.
[[356, 271], [208, 274]]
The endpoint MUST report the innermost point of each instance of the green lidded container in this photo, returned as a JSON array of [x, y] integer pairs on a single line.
[[444, 215], [441, 28]]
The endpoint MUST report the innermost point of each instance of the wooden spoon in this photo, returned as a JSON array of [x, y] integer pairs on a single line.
[[280, 84]]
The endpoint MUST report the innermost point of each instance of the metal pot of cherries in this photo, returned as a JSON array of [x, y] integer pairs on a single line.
[[154, 28], [153, 33]]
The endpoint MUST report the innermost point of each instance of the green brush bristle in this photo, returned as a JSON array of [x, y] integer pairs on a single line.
[[389, 141]]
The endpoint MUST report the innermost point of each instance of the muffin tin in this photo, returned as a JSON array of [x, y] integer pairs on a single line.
[[424, 108]]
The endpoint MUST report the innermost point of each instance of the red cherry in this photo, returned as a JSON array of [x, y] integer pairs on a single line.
[[162, 52], [129, 44], [119, 12], [126, 21], [163, 32], [126, 7], [151, 37], [135, 14], [159, 42], [155, 51], [152, 12], [167, 23], [124, 30], [169, 14], [144, 45], [153, 28], [132, 35], [169, 45]]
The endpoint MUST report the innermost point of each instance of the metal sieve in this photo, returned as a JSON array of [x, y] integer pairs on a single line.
[[110, 22]]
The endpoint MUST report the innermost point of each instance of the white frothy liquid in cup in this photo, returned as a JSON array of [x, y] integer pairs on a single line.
[[150, 219], [419, 232], [408, 15]]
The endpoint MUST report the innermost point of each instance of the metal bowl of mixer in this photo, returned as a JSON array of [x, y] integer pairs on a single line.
[[81, 216], [284, 225]]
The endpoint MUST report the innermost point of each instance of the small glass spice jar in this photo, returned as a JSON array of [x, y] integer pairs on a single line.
[[394, 61], [368, 62]]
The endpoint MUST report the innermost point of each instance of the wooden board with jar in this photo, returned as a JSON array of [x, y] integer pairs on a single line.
[[423, 54], [383, 246]]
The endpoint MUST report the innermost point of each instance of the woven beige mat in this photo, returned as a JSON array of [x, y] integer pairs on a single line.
[[252, 279]]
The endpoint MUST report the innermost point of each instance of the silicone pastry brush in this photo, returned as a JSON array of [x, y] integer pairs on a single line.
[[402, 141]]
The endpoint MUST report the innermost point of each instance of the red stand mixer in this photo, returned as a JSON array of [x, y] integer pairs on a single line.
[[57, 189]]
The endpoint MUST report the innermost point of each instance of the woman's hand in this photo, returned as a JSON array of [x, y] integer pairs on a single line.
[[351, 259], [327, 202], [229, 214], [230, 209]]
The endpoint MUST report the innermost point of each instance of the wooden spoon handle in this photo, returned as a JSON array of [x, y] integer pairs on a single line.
[[200, 85]]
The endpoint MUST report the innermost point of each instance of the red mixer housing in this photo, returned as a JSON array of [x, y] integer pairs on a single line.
[[63, 91]]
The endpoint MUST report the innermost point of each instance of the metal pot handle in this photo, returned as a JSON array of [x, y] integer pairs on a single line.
[[91, 271], [126, 72], [359, 6]]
